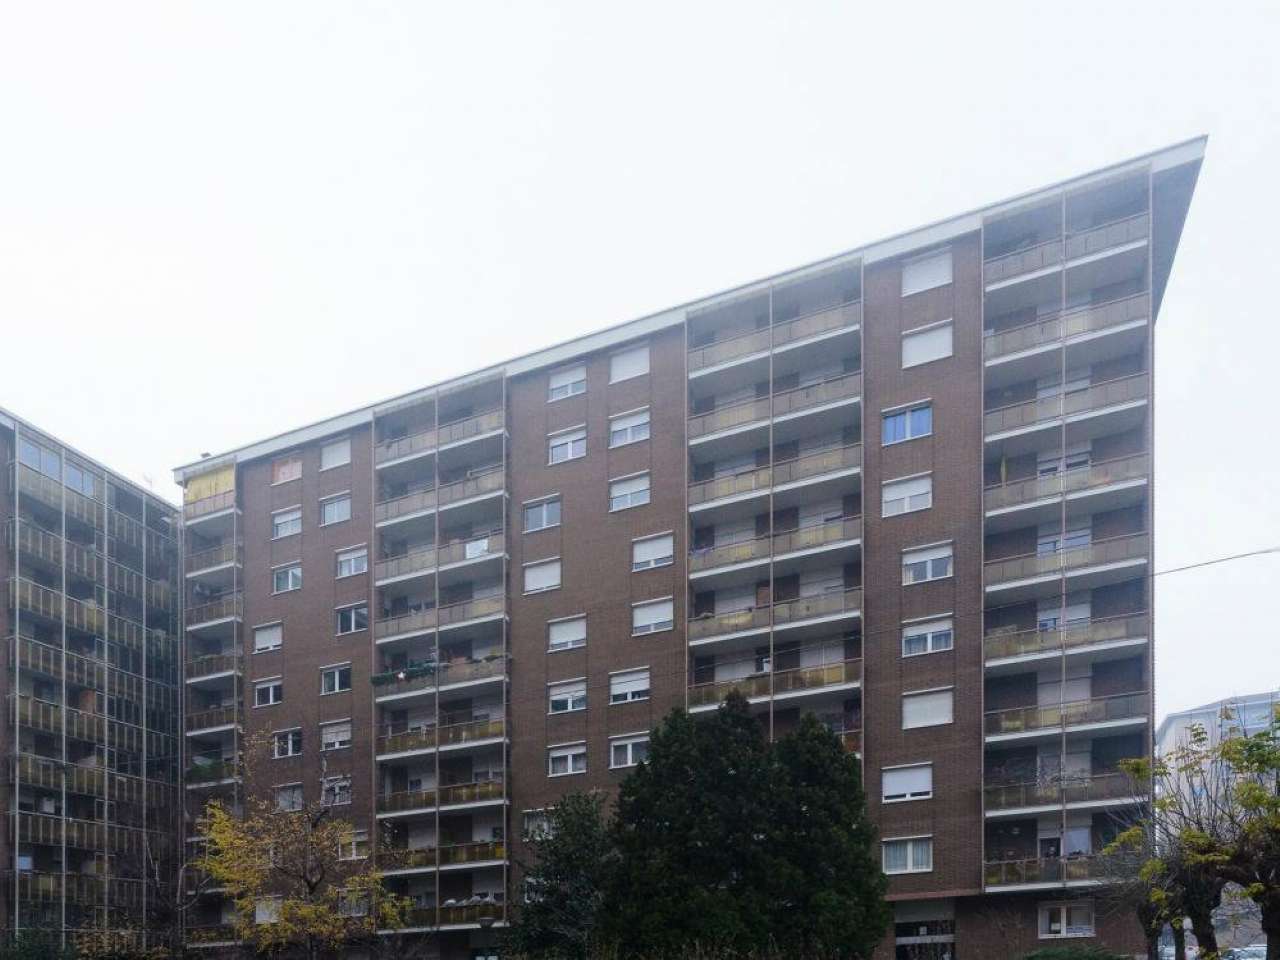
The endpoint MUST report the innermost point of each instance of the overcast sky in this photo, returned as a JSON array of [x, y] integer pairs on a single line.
[[222, 220]]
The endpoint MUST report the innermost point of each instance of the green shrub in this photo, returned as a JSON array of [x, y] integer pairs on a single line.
[[1075, 953]]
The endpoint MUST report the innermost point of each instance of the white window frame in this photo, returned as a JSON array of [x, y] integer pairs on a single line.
[[635, 426], [268, 683], [326, 725], [278, 515], [328, 501], [632, 498], [334, 783], [664, 560], [342, 442], [918, 332], [275, 743], [571, 751], [278, 626], [917, 695], [906, 410], [350, 608], [1065, 930], [575, 644], [547, 562], [911, 502], [336, 668], [292, 788], [542, 503], [912, 858], [569, 438], [658, 626], [629, 741], [927, 554], [567, 386], [353, 555], [929, 629], [351, 846], [630, 675], [573, 692], [932, 283], [905, 796], [286, 568], [633, 351]]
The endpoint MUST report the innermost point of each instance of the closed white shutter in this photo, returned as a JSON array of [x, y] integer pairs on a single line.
[[335, 454], [632, 685], [925, 273], [566, 382], [653, 552], [651, 616], [901, 496], [267, 638], [907, 783], [927, 709], [629, 363], [335, 735], [932, 343], [542, 576], [567, 633]]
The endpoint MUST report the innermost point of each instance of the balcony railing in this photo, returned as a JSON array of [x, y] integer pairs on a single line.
[[1133, 546], [1081, 243], [412, 622], [454, 794], [51, 493], [223, 608], [465, 671], [418, 560], [472, 426], [1047, 253], [445, 735], [1003, 873], [784, 611], [475, 547], [220, 933], [218, 556], [1125, 706], [40, 601], [999, 644], [745, 343], [843, 387], [211, 664], [472, 609], [212, 772], [746, 481], [1104, 786], [1066, 324], [487, 480], [779, 681], [470, 913], [810, 325], [405, 504], [207, 505], [213, 717], [473, 852], [1084, 243], [817, 535], [729, 348], [743, 551], [403, 858], [1044, 409], [783, 471], [407, 446], [724, 418], [1013, 493]]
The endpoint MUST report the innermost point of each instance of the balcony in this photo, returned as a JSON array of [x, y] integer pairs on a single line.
[[1123, 549], [1017, 493], [223, 555], [409, 504], [42, 602], [213, 717], [1100, 788], [479, 546], [759, 686], [817, 535], [445, 735], [404, 448], [415, 621], [783, 334], [477, 609], [782, 403], [472, 671], [199, 509], [730, 348], [411, 679], [228, 607], [1045, 410], [461, 854], [487, 480], [467, 914], [57, 497], [458, 794], [211, 665], [419, 561], [783, 612], [470, 427], [209, 935], [1036, 872], [215, 772], [1066, 325], [851, 740], [758, 479], [1053, 253], [1014, 643], [404, 858], [1056, 717]]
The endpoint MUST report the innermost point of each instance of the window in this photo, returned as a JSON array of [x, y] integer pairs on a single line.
[[336, 735], [628, 751], [629, 363], [353, 562], [914, 855], [906, 496], [267, 910], [652, 616], [335, 791], [652, 552], [335, 510], [567, 697], [80, 480], [925, 273], [289, 797], [268, 692], [569, 445], [629, 492], [1066, 919], [267, 638], [926, 345], [541, 515], [900, 425], [335, 679], [926, 563], [535, 824], [629, 428], [286, 523], [336, 453], [907, 783], [285, 579], [567, 382], [351, 619], [39, 458], [562, 761], [931, 708], [288, 743], [355, 846], [629, 685], [1051, 539], [928, 637], [543, 575], [290, 468], [353, 903], [567, 634]]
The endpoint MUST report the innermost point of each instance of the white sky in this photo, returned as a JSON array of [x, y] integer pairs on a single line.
[[222, 220]]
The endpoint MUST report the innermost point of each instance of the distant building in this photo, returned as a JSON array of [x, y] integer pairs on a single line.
[[1221, 719]]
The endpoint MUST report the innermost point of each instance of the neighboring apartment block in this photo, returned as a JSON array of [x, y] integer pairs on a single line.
[[91, 726], [907, 489]]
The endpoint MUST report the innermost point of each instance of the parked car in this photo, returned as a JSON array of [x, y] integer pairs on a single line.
[[1255, 951]]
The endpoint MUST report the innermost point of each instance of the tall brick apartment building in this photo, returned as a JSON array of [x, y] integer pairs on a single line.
[[907, 489], [90, 676]]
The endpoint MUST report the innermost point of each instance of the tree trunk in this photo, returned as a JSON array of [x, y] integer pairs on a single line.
[[1206, 936], [1153, 945], [1179, 939], [1270, 909]]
